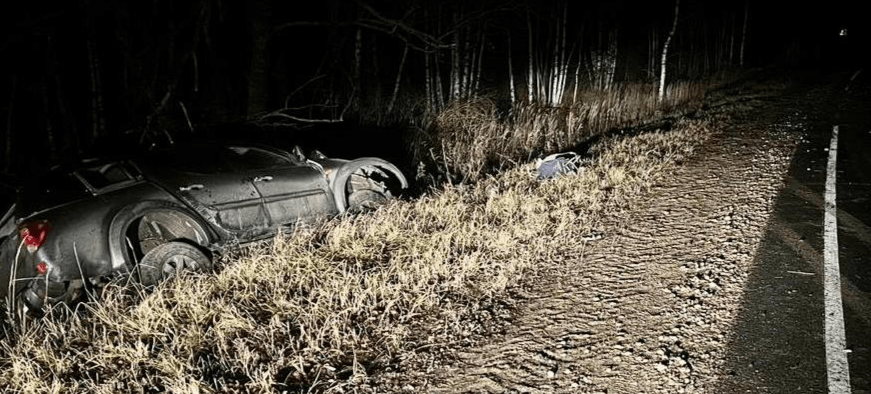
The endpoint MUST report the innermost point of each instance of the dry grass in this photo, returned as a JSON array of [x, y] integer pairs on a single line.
[[322, 309], [469, 139]]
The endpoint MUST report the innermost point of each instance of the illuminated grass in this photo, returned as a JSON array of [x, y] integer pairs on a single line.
[[469, 138], [325, 307]]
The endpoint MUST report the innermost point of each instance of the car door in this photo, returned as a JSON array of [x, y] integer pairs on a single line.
[[292, 191], [203, 178]]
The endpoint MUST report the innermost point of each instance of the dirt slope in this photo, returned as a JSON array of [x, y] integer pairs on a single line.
[[651, 307]]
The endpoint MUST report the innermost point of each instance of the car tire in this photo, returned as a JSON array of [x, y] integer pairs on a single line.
[[167, 260], [366, 200]]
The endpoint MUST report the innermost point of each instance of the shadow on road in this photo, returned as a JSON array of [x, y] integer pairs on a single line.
[[778, 343], [779, 340]]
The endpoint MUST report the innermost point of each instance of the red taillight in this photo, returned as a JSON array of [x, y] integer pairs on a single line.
[[42, 268], [34, 233]]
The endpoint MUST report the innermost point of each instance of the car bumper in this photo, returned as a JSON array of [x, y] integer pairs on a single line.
[[41, 292]]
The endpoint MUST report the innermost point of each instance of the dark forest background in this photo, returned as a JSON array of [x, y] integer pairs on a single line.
[[78, 76]]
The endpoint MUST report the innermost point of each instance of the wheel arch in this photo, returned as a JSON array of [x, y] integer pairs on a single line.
[[195, 230], [344, 173]]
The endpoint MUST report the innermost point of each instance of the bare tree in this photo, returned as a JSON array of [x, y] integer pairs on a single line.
[[603, 60], [398, 80], [547, 75], [665, 51], [511, 73], [530, 82], [98, 122]]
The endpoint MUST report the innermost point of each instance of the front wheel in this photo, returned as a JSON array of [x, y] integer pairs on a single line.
[[169, 259], [366, 200]]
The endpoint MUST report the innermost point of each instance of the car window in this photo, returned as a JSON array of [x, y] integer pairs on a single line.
[[106, 175], [250, 158]]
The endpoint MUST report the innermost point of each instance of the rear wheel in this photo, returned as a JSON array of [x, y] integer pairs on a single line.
[[167, 260]]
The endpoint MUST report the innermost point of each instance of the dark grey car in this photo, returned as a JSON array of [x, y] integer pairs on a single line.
[[168, 210]]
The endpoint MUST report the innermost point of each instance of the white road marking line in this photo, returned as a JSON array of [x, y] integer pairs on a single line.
[[836, 342]]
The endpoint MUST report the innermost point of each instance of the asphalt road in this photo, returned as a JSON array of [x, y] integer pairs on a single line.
[[854, 225], [781, 329]]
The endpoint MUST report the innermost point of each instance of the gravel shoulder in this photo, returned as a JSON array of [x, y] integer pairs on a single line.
[[655, 305]]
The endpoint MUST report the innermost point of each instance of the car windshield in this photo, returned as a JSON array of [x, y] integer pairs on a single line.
[[244, 157], [105, 175]]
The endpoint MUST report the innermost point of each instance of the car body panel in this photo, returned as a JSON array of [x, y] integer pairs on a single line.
[[294, 194], [103, 216], [232, 202], [88, 241]]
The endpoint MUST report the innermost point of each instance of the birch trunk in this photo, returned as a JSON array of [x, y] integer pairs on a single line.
[[665, 51], [577, 80], [511, 73], [455, 61], [398, 80], [530, 82]]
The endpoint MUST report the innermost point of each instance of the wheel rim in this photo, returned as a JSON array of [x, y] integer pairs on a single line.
[[175, 264]]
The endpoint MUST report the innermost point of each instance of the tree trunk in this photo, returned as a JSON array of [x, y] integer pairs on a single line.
[[612, 58], [732, 41], [97, 122], [653, 45], [665, 51], [427, 80], [398, 80], [358, 49], [577, 80], [744, 33], [258, 73], [482, 41], [455, 61], [511, 73], [530, 82], [439, 88]]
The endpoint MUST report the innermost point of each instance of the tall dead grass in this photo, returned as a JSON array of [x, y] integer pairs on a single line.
[[469, 139], [323, 308]]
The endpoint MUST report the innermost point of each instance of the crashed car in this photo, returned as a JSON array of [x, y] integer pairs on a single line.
[[168, 210]]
